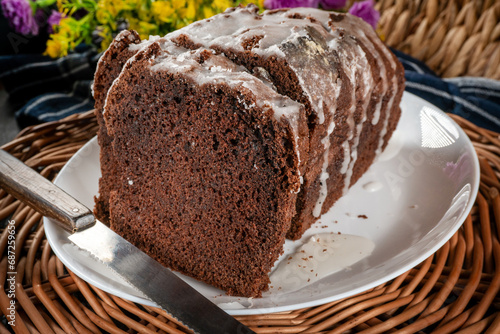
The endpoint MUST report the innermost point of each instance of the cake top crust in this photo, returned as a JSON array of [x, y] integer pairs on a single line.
[[204, 66], [274, 34], [309, 39]]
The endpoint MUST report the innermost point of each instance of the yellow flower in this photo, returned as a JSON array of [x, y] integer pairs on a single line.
[[55, 48], [65, 27], [188, 12], [113, 7], [67, 34], [145, 29], [178, 4], [162, 10], [208, 12], [380, 33], [107, 36], [222, 5], [258, 3]]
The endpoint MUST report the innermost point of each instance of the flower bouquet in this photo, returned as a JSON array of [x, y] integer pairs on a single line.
[[96, 22]]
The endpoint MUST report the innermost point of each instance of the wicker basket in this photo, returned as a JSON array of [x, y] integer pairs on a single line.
[[454, 291], [454, 38]]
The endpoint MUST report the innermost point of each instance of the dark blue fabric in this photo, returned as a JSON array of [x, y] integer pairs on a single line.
[[44, 89], [475, 99], [47, 90]]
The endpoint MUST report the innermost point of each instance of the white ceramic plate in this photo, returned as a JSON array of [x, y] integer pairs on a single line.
[[409, 203]]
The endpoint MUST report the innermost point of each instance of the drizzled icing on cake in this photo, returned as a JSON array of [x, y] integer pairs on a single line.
[[279, 34], [178, 59], [274, 34], [323, 192], [385, 53], [360, 67], [219, 69], [353, 70], [365, 34]]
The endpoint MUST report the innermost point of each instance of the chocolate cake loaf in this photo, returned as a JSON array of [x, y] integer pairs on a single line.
[[221, 139]]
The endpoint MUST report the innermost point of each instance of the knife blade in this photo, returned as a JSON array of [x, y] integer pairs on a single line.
[[154, 281]]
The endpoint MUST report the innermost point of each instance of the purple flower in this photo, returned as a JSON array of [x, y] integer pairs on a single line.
[[274, 4], [53, 20], [20, 16], [366, 11], [40, 17], [332, 4]]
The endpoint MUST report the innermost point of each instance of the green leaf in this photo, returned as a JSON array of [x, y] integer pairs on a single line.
[[44, 3]]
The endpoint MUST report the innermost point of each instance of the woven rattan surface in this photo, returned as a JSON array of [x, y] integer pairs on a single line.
[[453, 37], [453, 291]]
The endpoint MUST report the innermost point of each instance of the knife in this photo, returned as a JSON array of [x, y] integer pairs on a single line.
[[157, 283]]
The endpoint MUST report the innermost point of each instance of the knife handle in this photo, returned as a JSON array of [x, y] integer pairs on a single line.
[[30, 187]]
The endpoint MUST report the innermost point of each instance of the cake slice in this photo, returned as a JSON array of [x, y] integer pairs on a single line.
[[108, 68], [208, 159]]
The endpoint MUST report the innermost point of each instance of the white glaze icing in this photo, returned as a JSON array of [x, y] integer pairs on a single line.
[[276, 31], [136, 47], [323, 192], [219, 69], [351, 71], [345, 162], [383, 132], [360, 29], [355, 27], [376, 114], [362, 69]]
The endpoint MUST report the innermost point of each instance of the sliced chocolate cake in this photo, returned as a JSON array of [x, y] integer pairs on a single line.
[[220, 139]]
